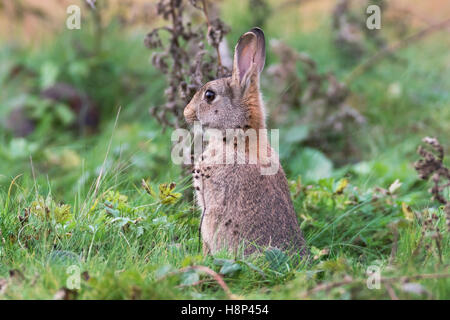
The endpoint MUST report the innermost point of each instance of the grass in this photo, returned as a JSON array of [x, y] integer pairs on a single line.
[[68, 200]]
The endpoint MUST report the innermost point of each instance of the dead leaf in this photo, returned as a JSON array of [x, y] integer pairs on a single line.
[[343, 183]]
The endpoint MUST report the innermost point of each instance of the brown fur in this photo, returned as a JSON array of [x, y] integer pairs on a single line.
[[252, 101], [241, 207]]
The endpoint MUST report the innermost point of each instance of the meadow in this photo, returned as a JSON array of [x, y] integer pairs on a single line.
[[97, 209]]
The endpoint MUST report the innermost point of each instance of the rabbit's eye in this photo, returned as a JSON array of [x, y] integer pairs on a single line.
[[209, 95]]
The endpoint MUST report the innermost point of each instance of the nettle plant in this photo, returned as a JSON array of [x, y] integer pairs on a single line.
[[431, 167]]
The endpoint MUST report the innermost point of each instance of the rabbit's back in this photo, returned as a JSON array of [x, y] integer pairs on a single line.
[[243, 207]]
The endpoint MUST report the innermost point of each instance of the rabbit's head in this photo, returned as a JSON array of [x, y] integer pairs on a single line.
[[234, 102]]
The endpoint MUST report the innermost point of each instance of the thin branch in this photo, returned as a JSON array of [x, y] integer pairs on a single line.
[[216, 47], [211, 273], [390, 291]]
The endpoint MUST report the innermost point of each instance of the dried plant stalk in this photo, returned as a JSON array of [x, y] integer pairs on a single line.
[[184, 60], [431, 167]]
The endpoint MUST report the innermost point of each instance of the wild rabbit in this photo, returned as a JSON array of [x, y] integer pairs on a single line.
[[242, 208]]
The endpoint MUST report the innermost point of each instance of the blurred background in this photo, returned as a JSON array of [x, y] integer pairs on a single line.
[[348, 100]]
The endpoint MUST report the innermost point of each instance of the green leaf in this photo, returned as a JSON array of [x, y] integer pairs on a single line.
[[64, 114], [253, 267], [20, 148], [139, 231], [189, 277], [163, 271], [277, 259], [230, 268], [79, 69], [166, 194], [114, 212], [122, 221], [311, 164], [48, 74], [221, 262]]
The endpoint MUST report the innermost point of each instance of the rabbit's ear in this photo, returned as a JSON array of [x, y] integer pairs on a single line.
[[249, 56]]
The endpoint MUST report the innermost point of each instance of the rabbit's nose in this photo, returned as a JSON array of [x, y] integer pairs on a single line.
[[189, 113]]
